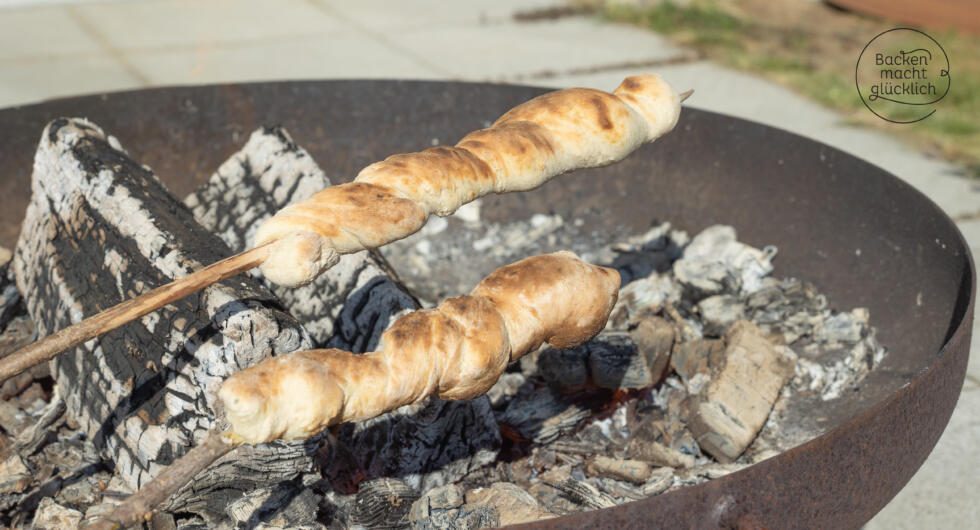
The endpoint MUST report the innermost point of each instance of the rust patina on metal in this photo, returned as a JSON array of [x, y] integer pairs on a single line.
[[864, 237]]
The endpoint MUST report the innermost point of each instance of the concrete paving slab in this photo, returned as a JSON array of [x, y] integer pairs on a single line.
[[515, 51], [379, 15], [943, 494], [30, 81], [322, 56], [39, 34], [165, 24]]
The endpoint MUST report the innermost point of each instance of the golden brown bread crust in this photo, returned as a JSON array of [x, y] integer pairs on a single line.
[[455, 351], [533, 142]]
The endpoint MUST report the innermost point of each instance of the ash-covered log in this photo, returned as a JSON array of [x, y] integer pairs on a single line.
[[347, 307], [100, 229]]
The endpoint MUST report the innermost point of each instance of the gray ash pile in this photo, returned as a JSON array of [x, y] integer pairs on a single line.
[[703, 369]]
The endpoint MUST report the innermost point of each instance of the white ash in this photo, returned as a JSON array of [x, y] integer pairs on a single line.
[[428, 261], [715, 262], [51, 515]]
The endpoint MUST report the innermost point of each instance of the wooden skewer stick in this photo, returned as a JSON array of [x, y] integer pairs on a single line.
[[140, 505], [49, 347]]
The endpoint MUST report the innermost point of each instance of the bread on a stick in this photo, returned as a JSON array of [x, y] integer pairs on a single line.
[[533, 142], [455, 351]]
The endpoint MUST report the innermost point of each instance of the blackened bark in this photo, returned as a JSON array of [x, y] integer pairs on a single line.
[[100, 229]]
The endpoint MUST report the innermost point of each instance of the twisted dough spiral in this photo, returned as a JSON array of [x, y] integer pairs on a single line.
[[533, 142], [455, 351]]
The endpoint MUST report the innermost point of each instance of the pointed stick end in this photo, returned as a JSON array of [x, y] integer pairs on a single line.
[[686, 94]]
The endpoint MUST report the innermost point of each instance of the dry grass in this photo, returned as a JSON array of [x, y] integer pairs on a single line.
[[812, 49]]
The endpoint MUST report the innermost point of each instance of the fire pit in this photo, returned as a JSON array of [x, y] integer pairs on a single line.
[[863, 237]]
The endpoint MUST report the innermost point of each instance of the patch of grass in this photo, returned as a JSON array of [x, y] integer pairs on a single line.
[[713, 27], [812, 56]]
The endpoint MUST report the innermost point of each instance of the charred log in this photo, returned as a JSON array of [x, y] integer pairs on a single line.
[[101, 228]]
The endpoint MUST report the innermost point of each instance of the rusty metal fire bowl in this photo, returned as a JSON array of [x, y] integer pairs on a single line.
[[862, 236]]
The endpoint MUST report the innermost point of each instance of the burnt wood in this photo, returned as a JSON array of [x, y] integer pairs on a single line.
[[101, 228]]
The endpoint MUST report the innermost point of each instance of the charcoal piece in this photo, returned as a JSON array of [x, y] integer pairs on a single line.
[[29, 440], [442, 507], [651, 252], [564, 369], [728, 413], [787, 307], [101, 228], [841, 370], [464, 518], [441, 498], [715, 262], [52, 516], [86, 490], [512, 504], [284, 505], [347, 307], [426, 444], [573, 447], [660, 480], [846, 328], [612, 360], [719, 312], [19, 332], [15, 475], [616, 362], [619, 490], [12, 419], [658, 454], [543, 416], [694, 357], [335, 507], [623, 469], [643, 298], [11, 303], [584, 494], [655, 338], [553, 499], [192, 523], [162, 521], [383, 503], [710, 471]]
